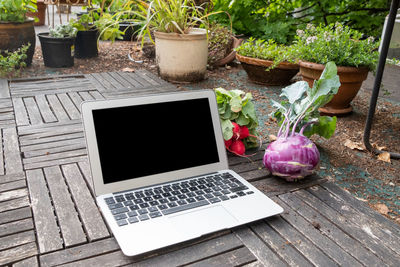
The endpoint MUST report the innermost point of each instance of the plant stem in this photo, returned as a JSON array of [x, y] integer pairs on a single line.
[[305, 126], [283, 123]]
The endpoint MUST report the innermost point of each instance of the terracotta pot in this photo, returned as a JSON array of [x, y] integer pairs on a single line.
[[13, 35], [350, 78], [40, 14], [231, 56], [256, 70]]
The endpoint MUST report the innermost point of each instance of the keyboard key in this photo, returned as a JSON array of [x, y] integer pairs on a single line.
[[172, 204], [149, 193], [241, 193], [193, 188], [200, 198], [191, 200], [157, 196], [217, 194], [128, 203], [115, 206], [143, 217], [185, 190], [166, 194], [147, 199], [181, 202], [208, 190], [132, 213], [120, 199], [172, 198], [144, 205], [250, 192], [214, 200], [181, 196], [223, 198], [191, 194], [138, 201], [139, 195], [134, 207], [209, 196], [202, 186], [152, 209], [109, 200], [175, 193], [234, 196], [142, 211], [163, 201], [153, 203], [163, 207], [200, 192], [225, 192], [120, 210], [185, 207], [239, 188], [122, 222], [133, 220], [155, 214], [120, 216]]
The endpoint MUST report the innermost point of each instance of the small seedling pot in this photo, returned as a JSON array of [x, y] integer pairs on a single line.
[[86, 44], [57, 52]]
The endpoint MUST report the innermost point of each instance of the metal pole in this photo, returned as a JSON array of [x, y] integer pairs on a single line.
[[378, 78]]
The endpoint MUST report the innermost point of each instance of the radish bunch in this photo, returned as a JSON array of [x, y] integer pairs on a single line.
[[238, 120]]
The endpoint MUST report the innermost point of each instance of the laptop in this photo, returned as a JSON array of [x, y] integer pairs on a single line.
[[160, 170]]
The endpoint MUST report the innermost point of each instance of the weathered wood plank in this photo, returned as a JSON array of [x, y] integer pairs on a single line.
[[359, 233], [86, 96], [18, 253], [15, 215], [107, 76], [99, 86], [14, 240], [124, 83], [21, 117], [9, 195], [74, 145], [263, 253], [52, 146], [96, 95], [53, 131], [130, 79], [79, 252], [12, 177], [43, 128], [56, 156], [16, 227], [44, 108], [48, 236], [2, 167], [309, 230], [85, 169], [14, 204], [33, 111], [104, 82], [88, 211], [348, 243], [71, 109], [67, 216], [155, 78], [43, 164], [31, 262], [4, 90], [29, 142], [76, 99], [58, 109]]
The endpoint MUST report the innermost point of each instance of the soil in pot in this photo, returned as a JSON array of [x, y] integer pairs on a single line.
[[351, 79], [256, 71], [15, 35], [57, 52], [86, 44]]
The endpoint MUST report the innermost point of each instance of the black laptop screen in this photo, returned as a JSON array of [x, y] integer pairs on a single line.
[[136, 141]]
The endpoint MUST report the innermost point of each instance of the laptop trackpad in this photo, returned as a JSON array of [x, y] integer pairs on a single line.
[[200, 222]]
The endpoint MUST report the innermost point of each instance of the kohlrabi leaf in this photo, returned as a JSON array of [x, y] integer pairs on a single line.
[[325, 127], [295, 91], [227, 127]]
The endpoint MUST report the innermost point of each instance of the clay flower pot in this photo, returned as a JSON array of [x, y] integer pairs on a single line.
[[232, 54], [350, 78], [256, 70]]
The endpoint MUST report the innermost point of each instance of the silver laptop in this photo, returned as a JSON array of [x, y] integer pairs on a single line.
[[160, 170]]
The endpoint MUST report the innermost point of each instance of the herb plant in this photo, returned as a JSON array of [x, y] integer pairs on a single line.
[[219, 42], [63, 31], [15, 10], [336, 43], [12, 62], [84, 23]]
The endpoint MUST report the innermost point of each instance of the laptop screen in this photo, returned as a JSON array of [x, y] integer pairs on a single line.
[[140, 140]]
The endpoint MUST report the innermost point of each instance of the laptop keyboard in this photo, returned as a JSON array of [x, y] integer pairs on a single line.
[[150, 203]]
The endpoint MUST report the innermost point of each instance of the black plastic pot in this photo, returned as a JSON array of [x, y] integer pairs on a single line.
[[130, 31], [86, 44], [57, 52]]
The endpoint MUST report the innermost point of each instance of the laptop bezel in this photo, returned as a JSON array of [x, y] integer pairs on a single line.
[[100, 188]]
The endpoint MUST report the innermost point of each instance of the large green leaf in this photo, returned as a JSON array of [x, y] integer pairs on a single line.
[[295, 91]]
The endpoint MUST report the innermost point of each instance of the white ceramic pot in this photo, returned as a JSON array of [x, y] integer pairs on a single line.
[[182, 57]]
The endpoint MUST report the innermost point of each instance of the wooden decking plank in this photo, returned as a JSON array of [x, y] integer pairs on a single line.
[[104, 82], [14, 204], [85, 169], [28, 142], [143, 91], [68, 220], [13, 194], [124, 83], [21, 117], [348, 243], [130, 79], [43, 164], [76, 99], [96, 95], [2, 163], [18, 253], [44, 108], [33, 111], [15, 215], [237, 257], [28, 129], [12, 157], [55, 129], [16, 227], [99, 86], [88, 211], [56, 156], [328, 246], [263, 253], [69, 106], [301, 242], [152, 76], [31, 262], [112, 259], [12, 177], [150, 79], [4, 90], [48, 236], [86, 96], [18, 239], [52, 145], [58, 109], [108, 77], [70, 145], [355, 231], [390, 241], [79, 252]]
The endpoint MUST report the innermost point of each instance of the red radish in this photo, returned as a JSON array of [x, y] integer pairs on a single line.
[[244, 132], [235, 130], [228, 143], [237, 147]]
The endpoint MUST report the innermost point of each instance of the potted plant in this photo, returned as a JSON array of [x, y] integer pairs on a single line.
[[267, 62], [40, 14], [16, 29], [354, 57], [57, 46], [86, 37]]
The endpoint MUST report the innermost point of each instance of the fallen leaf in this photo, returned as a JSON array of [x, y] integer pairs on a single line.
[[272, 137], [379, 147], [353, 145], [385, 156], [316, 225], [128, 70], [381, 208]]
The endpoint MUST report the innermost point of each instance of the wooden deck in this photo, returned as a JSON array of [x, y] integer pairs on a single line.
[[48, 215]]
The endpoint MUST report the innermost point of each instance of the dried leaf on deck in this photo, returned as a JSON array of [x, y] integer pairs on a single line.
[[381, 208], [385, 156], [354, 145], [128, 70]]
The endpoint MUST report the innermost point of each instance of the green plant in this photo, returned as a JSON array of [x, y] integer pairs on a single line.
[[63, 31], [15, 10], [336, 43], [108, 27], [12, 62], [267, 50], [219, 42], [84, 23]]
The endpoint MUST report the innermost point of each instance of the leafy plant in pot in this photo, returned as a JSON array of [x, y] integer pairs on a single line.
[[293, 156], [86, 37], [354, 57], [267, 62], [16, 29], [57, 46]]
